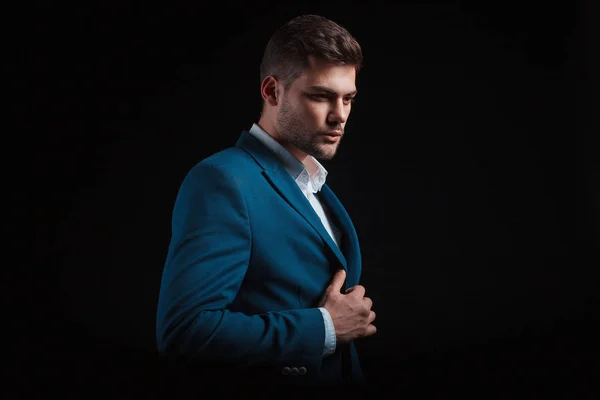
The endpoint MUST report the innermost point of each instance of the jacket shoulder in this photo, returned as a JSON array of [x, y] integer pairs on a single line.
[[233, 160]]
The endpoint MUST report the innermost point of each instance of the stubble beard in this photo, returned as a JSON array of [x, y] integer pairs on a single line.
[[293, 131]]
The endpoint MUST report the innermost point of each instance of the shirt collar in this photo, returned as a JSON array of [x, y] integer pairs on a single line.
[[296, 169]]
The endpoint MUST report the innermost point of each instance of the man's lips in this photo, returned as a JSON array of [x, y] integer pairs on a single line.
[[333, 133]]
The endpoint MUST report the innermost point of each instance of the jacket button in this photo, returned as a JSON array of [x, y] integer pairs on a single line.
[[295, 371], [302, 370], [286, 370]]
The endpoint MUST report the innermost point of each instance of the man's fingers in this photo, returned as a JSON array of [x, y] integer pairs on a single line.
[[338, 280], [358, 288], [372, 317], [371, 330]]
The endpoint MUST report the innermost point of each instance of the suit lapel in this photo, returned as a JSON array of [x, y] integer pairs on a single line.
[[350, 239], [285, 185], [289, 190]]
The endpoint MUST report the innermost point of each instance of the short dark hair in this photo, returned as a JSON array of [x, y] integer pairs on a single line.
[[289, 48]]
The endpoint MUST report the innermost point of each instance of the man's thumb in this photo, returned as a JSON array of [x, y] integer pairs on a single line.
[[338, 280]]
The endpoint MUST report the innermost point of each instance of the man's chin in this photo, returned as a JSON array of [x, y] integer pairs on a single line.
[[324, 155]]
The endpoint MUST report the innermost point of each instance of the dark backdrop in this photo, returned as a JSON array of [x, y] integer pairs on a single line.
[[468, 167]]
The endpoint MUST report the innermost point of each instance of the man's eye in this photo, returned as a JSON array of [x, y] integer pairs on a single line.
[[324, 97]]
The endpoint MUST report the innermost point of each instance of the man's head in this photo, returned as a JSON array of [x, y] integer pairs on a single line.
[[308, 75]]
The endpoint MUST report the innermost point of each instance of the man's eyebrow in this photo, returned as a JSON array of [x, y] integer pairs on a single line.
[[331, 91]]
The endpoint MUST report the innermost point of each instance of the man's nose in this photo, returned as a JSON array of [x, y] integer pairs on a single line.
[[339, 112]]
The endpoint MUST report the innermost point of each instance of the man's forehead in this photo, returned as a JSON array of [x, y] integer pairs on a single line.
[[338, 78]]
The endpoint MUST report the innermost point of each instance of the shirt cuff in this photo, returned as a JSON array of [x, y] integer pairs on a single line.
[[330, 340]]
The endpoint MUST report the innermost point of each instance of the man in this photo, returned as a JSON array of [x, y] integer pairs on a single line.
[[263, 267]]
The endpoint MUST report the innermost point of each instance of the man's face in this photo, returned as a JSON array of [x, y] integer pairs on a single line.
[[314, 110]]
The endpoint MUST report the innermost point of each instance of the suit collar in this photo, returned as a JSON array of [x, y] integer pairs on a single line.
[[297, 169], [291, 163], [261, 154]]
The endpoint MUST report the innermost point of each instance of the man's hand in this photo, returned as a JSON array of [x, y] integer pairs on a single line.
[[351, 312]]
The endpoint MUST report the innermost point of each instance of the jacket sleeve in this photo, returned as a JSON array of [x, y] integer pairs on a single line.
[[207, 259]]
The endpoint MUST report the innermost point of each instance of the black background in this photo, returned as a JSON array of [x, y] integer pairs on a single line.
[[469, 167]]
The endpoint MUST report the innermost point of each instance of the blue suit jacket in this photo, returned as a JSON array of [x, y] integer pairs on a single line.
[[247, 264]]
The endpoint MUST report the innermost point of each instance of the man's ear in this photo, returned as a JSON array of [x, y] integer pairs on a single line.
[[269, 90]]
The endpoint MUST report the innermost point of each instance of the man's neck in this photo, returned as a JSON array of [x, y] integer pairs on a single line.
[[304, 158]]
